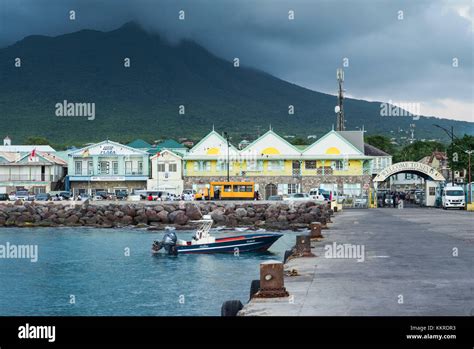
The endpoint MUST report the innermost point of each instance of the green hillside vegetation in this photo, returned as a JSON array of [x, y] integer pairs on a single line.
[[142, 101]]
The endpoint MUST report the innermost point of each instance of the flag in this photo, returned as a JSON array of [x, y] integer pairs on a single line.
[[33, 155]]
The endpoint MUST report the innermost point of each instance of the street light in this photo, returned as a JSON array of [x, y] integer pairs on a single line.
[[226, 135], [450, 134], [469, 152]]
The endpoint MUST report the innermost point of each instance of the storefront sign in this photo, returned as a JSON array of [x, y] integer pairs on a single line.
[[108, 178]]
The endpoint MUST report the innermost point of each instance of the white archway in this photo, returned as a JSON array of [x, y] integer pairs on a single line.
[[425, 171]]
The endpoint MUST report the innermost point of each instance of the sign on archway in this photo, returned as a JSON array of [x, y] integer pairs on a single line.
[[409, 166]]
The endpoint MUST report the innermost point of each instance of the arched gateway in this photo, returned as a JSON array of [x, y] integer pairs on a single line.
[[425, 171], [431, 176]]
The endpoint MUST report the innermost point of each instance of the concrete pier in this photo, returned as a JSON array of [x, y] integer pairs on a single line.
[[414, 262]]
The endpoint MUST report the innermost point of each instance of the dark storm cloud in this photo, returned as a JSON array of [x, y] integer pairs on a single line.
[[406, 60]]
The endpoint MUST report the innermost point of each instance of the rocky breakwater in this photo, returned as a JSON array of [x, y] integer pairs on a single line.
[[278, 216]]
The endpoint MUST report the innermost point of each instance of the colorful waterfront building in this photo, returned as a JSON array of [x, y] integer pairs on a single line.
[[167, 172], [36, 168], [107, 166], [338, 161]]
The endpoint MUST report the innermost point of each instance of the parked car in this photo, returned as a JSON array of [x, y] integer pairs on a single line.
[[361, 201], [121, 195], [275, 198], [65, 195], [43, 197], [24, 195], [298, 197], [105, 195], [84, 197], [60, 195], [4, 197]]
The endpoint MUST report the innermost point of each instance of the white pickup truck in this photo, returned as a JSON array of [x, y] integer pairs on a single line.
[[318, 195]]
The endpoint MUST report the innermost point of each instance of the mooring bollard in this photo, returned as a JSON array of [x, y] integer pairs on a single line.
[[323, 221], [303, 246], [272, 284], [315, 229]]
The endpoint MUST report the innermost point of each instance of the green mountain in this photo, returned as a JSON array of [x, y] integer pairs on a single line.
[[142, 101]]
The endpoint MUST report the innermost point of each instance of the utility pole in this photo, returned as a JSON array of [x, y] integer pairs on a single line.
[[226, 135], [339, 109], [451, 146], [412, 133], [469, 152]]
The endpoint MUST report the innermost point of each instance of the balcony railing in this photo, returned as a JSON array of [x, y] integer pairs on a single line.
[[29, 178]]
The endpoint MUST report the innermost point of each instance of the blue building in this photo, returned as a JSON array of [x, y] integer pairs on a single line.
[[107, 166]]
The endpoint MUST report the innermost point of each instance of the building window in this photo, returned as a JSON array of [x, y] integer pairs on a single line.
[[78, 167], [173, 167], [128, 167], [115, 167], [293, 188], [161, 167], [310, 164], [201, 166], [339, 165], [220, 166], [39, 190], [90, 168], [275, 165], [104, 167], [352, 189], [409, 176], [140, 167]]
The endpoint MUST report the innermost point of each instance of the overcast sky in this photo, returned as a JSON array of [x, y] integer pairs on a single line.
[[402, 60]]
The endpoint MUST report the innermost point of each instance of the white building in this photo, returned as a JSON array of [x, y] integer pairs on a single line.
[[166, 172], [37, 172]]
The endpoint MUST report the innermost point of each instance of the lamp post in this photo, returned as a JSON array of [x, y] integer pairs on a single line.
[[469, 152], [450, 134], [226, 135]]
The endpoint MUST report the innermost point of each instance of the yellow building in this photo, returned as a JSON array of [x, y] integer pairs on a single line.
[[337, 161]]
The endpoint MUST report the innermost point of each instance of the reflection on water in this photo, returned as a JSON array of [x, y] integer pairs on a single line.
[[91, 266]]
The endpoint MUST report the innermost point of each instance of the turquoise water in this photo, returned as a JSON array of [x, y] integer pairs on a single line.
[[91, 265]]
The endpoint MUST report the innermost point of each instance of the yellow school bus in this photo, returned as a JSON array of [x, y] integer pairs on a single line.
[[231, 191]]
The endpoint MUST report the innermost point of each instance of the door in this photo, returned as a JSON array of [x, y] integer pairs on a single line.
[[43, 170], [296, 167], [270, 190]]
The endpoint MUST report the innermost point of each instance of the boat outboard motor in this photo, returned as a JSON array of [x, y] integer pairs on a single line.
[[156, 246], [169, 243]]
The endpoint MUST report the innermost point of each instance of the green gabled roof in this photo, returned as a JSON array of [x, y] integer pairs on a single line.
[[153, 150], [170, 144], [139, 144]]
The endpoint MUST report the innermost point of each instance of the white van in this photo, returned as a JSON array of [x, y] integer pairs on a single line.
[[453, 196]]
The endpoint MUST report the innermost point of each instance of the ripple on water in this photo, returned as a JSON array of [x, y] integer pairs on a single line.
[[92, 266]]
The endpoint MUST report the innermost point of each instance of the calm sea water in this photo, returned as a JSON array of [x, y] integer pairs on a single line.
[[91, 265]]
